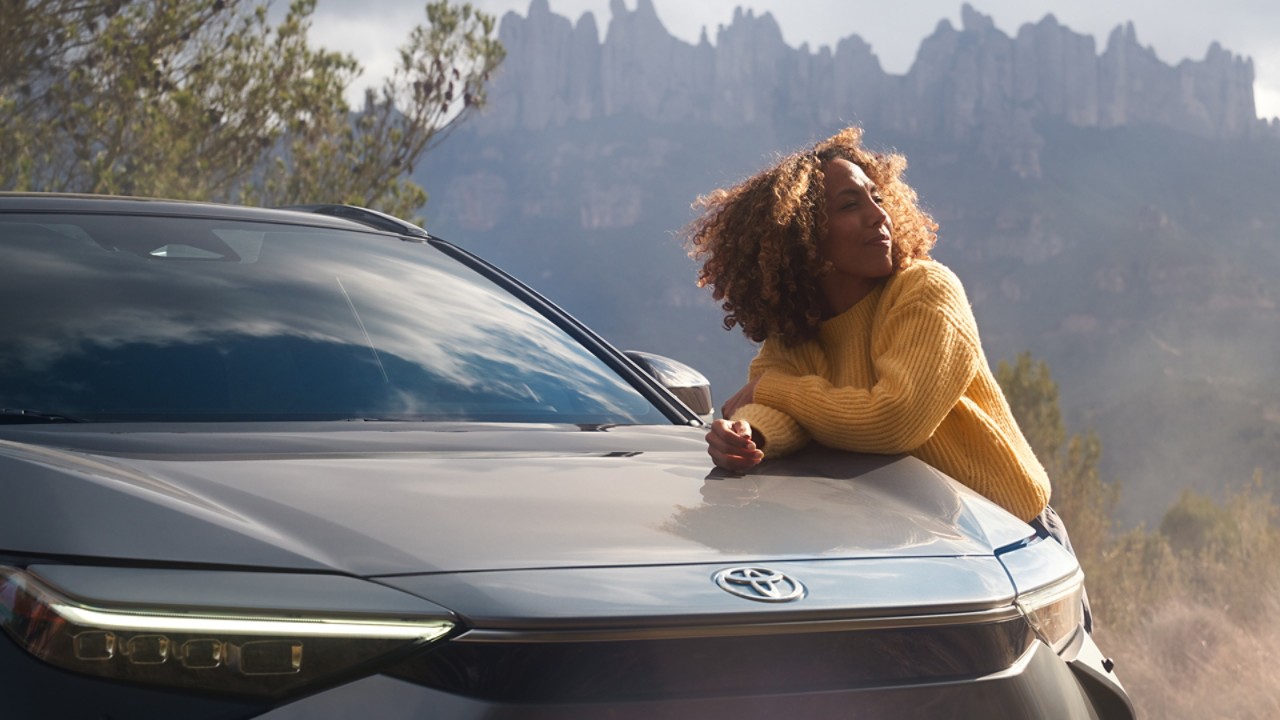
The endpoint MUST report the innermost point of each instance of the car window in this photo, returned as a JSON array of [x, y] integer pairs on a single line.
[[153, 318]]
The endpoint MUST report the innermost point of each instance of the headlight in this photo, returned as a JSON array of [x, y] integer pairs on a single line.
[[1050, 588], [252, 653], [1055, 612]]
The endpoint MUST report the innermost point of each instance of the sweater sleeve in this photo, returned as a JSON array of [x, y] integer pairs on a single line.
[[926, 352], [782, 434]]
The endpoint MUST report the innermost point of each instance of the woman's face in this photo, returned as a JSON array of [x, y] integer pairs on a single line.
[[858, 242]]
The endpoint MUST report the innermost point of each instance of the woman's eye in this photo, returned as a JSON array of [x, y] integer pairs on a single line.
[[879, 199]]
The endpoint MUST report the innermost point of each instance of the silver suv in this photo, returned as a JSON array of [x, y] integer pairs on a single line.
[[319, 464]]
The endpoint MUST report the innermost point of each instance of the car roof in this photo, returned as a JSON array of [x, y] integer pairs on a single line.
[[109, 204]]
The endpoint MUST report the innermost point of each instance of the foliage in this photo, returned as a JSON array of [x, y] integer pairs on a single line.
[[1033, 397], [1085, 502], [210, 100], [1196, 523], [1189, 609], [1200, 623]]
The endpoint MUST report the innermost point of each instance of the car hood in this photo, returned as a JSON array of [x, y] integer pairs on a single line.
[[377, 499]]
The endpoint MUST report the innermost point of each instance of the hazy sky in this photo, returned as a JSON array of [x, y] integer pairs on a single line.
[[1177, 29]]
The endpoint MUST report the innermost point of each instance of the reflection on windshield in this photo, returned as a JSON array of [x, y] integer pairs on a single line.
[[179, 318]]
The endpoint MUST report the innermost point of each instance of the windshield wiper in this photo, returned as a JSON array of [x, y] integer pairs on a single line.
[[18, 415]]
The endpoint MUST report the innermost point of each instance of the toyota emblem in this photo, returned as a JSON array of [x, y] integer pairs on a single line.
[[758, 583]]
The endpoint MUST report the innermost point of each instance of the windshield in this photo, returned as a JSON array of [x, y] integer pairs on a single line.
[[118, 318]]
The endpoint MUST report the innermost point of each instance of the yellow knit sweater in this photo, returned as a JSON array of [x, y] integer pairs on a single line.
[[902, 371]]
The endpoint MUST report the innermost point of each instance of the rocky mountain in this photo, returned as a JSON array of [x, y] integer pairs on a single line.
[[1112, 214], [973, 85]]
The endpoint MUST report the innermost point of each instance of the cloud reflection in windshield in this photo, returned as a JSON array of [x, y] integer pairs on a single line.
[[379, 300]]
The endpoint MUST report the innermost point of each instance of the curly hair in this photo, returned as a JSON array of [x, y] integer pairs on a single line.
[[758, 240]]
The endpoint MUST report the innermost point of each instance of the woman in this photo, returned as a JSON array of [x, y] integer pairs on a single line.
[[868, 344]]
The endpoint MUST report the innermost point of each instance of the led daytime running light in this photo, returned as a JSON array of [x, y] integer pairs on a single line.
[[138, 620], [1050, 594], [257, 653], [294, 627]]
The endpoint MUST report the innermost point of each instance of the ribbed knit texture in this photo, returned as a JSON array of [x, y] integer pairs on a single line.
[[901, 372]]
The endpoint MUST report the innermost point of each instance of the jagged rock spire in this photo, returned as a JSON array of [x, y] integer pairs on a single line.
[[973, 83]]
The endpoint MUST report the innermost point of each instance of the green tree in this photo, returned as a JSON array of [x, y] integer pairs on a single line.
[[1195, 523], [1033, 397], [210, 100], [1080, 495]]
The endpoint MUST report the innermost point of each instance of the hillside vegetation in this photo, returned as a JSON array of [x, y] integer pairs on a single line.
[[1188, 608]]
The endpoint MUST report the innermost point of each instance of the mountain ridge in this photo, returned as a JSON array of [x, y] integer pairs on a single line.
[[972, 84]]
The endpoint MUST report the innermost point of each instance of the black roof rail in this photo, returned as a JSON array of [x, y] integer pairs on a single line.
[[365, 216]]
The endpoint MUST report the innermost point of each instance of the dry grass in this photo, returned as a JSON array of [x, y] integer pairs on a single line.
[[1191, 661], [1191, 613]]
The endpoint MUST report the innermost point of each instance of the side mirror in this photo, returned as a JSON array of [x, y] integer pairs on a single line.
[[690, 386]]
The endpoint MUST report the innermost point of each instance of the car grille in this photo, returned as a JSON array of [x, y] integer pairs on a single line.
[[544, 667]]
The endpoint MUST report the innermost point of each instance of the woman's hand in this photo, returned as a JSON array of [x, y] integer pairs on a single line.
[[745, 396], [731, 447]]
